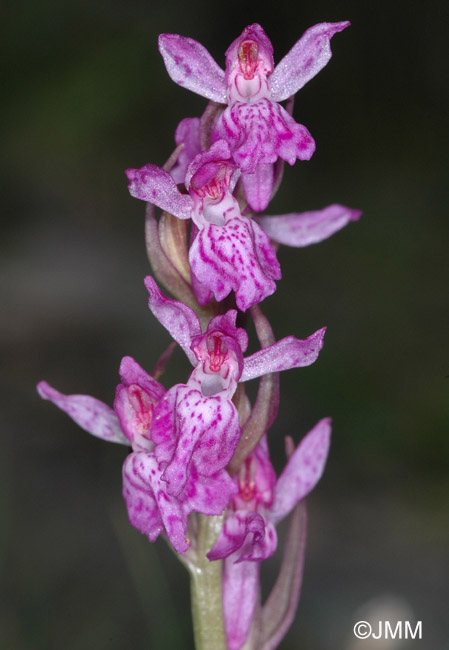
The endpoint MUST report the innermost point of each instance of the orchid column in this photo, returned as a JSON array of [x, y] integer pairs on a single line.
[[199, 473]]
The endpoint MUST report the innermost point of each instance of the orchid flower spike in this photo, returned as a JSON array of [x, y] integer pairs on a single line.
[[151, 509], [249, 535], [195, 425], [257, 129]]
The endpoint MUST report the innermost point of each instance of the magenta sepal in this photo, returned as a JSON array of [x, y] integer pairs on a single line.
[[305, 228], [181, 322], [307, 57], [190, 65], [89, 413], [152, 510], [303, 470], [154, 185], [287, 353]]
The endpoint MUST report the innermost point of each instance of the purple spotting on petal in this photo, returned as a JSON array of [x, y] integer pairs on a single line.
[[303, 470], [189, 64], [308, 227], [141, 487], [190, 428], [209, 495], [261, 133], [89, 413], [155, 185], [153, 510], [306, 58], [287, 353], [238, 257]]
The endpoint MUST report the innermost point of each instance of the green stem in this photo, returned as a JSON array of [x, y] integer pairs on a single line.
[[205, 586]]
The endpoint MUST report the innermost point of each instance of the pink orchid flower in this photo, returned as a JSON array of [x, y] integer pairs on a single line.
[[230, 252], [249, 535], [151, 509], [257, 129], [196, 425]]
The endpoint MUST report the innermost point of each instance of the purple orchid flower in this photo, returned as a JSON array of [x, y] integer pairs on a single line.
[[230, 252], [257, 128], [196, 424], [249, 535], [151, 509]]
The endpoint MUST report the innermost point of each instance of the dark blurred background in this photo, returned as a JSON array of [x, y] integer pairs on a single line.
[[85, 96]]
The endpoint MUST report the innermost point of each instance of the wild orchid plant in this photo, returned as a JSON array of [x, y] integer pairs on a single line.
[[199, 472]]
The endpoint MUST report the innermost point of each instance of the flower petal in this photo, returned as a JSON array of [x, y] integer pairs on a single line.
[[181, 322], [188, 134], [92, 415], [237, 528], [303, 470], [154, 185], [132, 373], [306, 58], [190, 65], [190, 428], [262, 132], [135, 400], [240, 594], [307, 228], [258, 186], [235, 257], [209, 494], [287, 353], [150, 509]]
